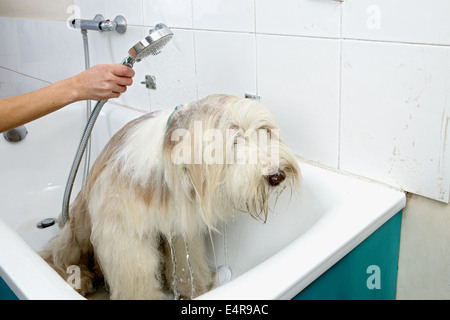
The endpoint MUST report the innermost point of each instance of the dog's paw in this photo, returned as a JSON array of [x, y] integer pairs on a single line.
[[86, 284]]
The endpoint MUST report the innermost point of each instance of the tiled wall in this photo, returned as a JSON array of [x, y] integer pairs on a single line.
[[39, 49], [32, 9], [356, 86], [395, 85]]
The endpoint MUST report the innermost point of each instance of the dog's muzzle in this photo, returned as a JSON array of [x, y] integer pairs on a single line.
[[276, 178]]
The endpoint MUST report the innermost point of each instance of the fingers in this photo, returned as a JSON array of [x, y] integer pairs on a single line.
[[102, 82], [115, 81], [113, 95], [123, 81], [119, 89], [122, 77], [122, 71]]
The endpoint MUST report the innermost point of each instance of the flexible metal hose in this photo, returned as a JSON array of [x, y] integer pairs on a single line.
[[87, 65], [151, 45], [76, 161]]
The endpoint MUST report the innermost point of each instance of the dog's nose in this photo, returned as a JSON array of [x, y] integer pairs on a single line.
[[276, 178]]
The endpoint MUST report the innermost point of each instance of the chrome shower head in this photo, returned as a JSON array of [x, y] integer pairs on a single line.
[[152, 44]]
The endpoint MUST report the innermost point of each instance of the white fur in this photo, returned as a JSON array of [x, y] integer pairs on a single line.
[[140, 210]]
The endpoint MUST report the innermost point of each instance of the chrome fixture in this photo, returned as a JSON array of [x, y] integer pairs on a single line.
[[46, 223], [87, 65], [16, 134], [150, 82], [150, 45], [99, 23], [252, 96]]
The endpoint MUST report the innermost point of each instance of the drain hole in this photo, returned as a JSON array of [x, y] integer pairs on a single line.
[[46, 223], [16, 134]]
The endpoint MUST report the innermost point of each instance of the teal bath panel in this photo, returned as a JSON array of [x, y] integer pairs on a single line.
[[5, 292], [368, 272]]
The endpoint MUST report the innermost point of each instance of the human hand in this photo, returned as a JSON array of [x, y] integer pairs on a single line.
[[102, 81]]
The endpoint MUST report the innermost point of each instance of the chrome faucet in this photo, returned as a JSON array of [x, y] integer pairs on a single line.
[[99, 23]]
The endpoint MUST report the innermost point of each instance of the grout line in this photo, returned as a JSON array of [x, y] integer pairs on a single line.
[[340, 92], [275, 34], [256, 50], [195, 50], [349, 174], [317, 37], [279, 34], [397, 42], [125, 106], [26, 75]]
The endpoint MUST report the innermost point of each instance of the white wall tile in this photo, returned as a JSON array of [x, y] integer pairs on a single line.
[[130, 9], [30, 9], [99, 48], [32, 52], [318, 18], [17, 54], [395, 115], [298, 78], [64, 58], [225, 15], [10, 53], [13, 83], [90, 8], [173, 13], [46, 50], [415, 21], [225, 63]]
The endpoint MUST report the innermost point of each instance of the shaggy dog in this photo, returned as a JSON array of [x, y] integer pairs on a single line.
[[160, 185]]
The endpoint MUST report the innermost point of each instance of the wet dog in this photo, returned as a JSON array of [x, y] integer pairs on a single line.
[[160, 185]]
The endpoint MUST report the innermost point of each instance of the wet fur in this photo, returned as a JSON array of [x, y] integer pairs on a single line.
[[138, 206]]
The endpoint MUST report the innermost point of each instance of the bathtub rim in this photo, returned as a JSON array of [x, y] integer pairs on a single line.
[[25, 283], [273, 288]]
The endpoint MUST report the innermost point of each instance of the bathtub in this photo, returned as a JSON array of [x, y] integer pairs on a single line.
[[304, 236]]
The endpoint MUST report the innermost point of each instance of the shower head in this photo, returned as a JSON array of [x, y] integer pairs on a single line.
[[152, 44]]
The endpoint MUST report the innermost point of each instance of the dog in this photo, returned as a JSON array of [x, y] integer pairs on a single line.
[[160, 185]]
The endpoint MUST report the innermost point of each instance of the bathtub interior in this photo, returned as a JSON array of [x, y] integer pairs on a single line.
[[291, 215], [36, 170], [33, 172]]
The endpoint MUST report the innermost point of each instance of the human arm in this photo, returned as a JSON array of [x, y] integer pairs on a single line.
[[100, 82]]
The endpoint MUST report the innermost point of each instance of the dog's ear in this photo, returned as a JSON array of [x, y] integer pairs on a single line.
[[205, 179], [190, 173]]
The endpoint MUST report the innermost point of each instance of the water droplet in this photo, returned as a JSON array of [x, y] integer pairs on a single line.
[[191, 272], [174, 269], [223, 275]]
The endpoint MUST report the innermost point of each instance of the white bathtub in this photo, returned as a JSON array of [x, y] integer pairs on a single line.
[[302, 238]]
